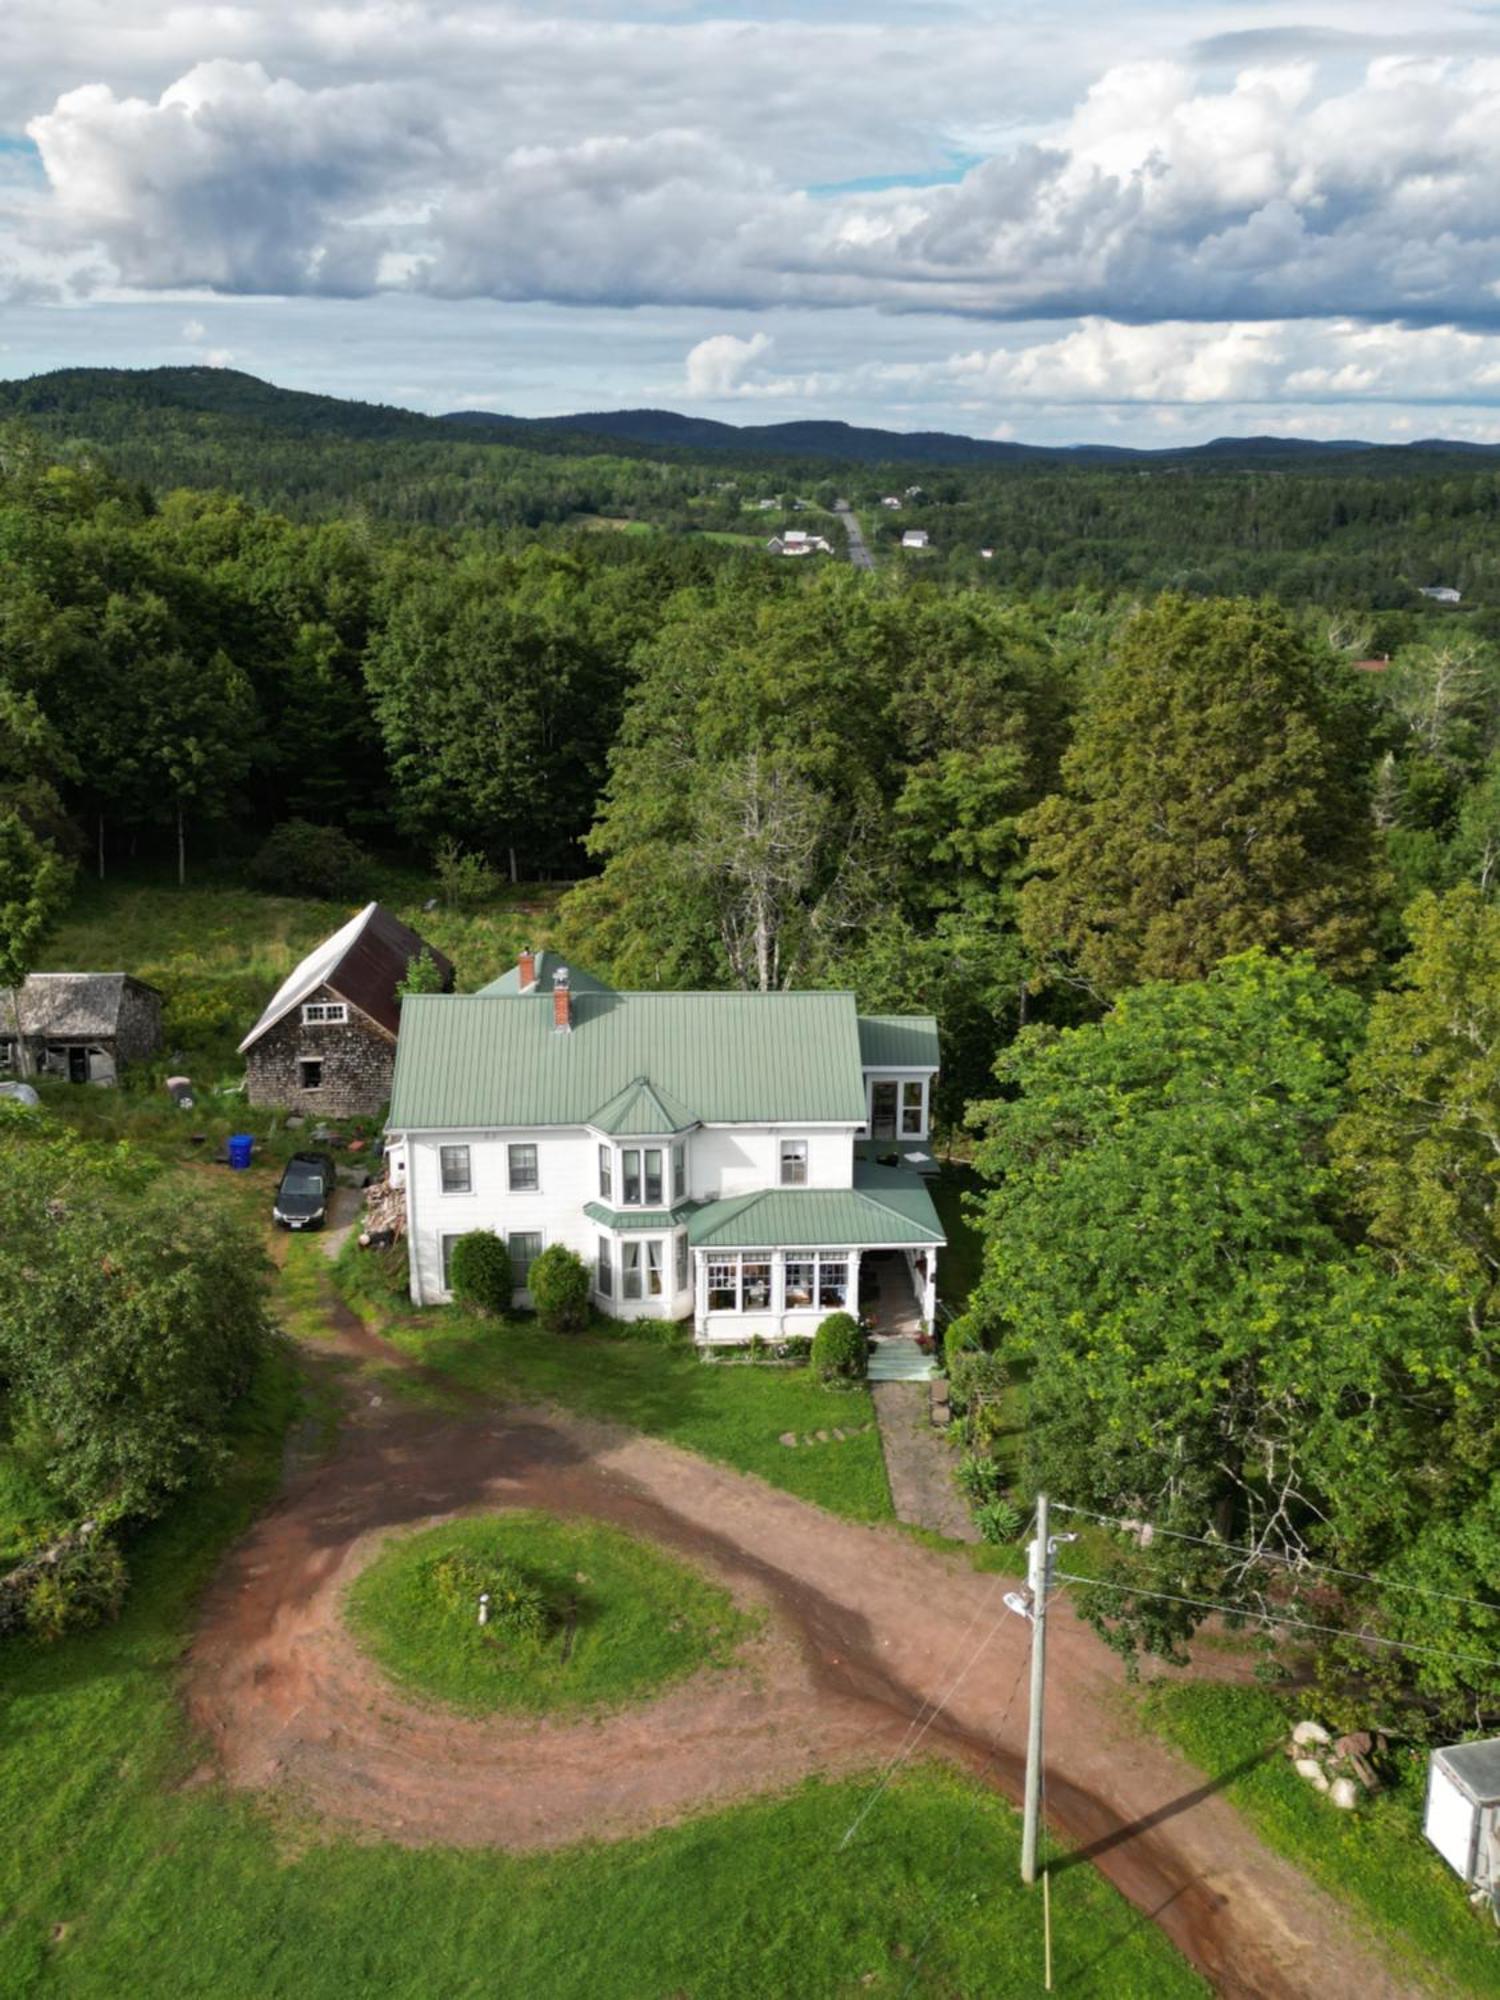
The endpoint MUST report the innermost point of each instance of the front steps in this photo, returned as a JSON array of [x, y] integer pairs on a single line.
[[896, 1358]]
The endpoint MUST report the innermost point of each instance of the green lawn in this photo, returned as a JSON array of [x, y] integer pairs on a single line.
[[733, 1413], [1375, 1858], [122, 1872], [624, 1619]]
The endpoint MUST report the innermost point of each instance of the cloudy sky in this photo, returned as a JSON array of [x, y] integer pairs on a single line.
[[1097, 219]]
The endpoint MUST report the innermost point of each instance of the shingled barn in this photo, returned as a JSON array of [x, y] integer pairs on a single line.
[[326, 1043]]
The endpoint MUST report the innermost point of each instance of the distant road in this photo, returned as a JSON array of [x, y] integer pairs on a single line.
[[859, 553]]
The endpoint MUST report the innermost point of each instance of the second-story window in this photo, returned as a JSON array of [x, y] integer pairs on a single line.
[[794, 1163], [630, 1177], [653, 1190], [679, 1173], [913, 1110], [523, 1175], [606, 1174], [454, 1164]]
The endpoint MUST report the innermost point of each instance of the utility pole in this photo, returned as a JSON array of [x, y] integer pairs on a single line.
[[1032, 1603], [1038, 1577]]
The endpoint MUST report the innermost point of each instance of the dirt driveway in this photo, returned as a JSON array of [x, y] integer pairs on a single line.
[[868, 1634]]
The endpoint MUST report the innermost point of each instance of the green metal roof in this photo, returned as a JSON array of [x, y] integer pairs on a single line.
[[641, 1111], [641, 1218], [891, 1211], [916, 1155], [485, 1061], [547, 962], [898, 1041]]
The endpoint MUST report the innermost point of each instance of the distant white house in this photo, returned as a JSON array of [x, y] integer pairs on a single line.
[[988, 554], [914, 492], [1442, 593], [915, 538], [892, 500], [797, 542]]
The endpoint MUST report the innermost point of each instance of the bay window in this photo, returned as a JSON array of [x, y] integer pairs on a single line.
[[653, 1268], [679, 1173], [605, 1279], [653, 1177], [630, 1270], [606, 1174], [682, 1261], [630, 1177]]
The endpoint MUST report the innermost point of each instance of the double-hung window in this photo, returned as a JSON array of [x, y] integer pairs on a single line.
[[525, 1247], [604, 1282], [453, 1163], [679, 1173], [523, 1174], [630, 1270], [913, 1110], [630, 1177], [653, 1193], [682, 1261], [655, 1276], [794, 1163], [606, 1174]]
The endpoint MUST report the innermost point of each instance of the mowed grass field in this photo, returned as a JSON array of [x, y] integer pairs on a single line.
[[127, 1868]]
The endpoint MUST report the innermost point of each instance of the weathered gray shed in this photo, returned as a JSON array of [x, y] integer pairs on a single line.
[[83, 1026]]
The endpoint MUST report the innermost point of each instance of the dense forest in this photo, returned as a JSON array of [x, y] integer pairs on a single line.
[[1206, 877]]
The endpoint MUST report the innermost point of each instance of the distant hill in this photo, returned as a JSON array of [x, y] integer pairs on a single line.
[[108, 403]]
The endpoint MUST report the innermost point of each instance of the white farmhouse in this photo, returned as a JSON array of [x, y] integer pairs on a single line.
[[915, 538], [893, 501], [735, 1159]]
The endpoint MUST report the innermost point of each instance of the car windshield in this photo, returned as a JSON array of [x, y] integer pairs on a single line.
[[302, 1180]]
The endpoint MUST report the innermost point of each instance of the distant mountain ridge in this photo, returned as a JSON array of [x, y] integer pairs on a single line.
[[231, 394]]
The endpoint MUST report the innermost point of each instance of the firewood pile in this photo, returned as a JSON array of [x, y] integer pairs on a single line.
[[385, 1215]]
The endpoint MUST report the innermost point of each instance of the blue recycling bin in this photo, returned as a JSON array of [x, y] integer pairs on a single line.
[[241, 1146]]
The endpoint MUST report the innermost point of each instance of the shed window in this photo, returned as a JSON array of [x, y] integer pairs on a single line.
[[794, 1163], [523, 1174], [525, 1248], [310, 1073], [453, 1163], [325, 1013]]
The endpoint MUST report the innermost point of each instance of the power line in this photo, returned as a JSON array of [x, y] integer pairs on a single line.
[[909, 1742], [1271, 1556], [1279, 1618]]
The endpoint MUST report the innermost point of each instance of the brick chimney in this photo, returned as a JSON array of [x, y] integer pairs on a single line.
[[526, 967], [562, 1001]]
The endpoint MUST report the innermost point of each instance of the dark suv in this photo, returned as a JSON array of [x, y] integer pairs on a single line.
[[305, 1191]]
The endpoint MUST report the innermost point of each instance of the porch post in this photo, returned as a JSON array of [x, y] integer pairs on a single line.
[[929, 1292], [853, 1305], [700, 1290]]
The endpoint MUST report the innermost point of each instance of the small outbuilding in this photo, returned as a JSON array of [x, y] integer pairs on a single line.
[[83, 1027], [326, 1043], [1462, 1815], [915, 538]]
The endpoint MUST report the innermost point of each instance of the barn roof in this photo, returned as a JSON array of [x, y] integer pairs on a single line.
[[72, 1006], [362, 963]]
